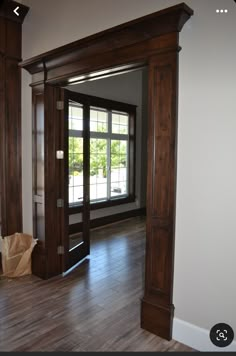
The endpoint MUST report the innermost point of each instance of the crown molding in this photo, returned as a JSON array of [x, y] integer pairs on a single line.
[[130, 33]]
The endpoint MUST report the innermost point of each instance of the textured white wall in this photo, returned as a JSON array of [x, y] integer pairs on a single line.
[[204, 288], [204, 282]]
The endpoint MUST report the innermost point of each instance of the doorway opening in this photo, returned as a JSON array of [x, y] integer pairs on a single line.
[[105, 155], [151, 41]]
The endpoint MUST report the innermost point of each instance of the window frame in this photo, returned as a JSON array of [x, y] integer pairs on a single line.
[[89, 101]]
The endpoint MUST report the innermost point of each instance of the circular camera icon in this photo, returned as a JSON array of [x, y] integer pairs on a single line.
[[221, 335]]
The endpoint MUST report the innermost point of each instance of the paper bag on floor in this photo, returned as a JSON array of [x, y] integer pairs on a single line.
[[16, 254]]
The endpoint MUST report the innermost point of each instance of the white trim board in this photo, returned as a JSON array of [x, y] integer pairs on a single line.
[[196, 337]]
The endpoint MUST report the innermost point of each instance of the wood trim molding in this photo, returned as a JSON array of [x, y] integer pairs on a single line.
[[102, 205], [110, 219], [141, 32], [10, 117], [161, 196], [152, 41]]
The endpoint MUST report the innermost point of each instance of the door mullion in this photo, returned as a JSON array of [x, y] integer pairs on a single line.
[[86, 167], [109, 155]]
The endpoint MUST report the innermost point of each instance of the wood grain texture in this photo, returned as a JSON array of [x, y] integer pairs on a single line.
[[157, 307], [46, 171], [3, 218], [39, 257], [38, 163], [94, 308], [140, 30], [10, 118], [52, 180]]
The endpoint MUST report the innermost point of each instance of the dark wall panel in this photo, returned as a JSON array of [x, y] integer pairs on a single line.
[[10, 117]]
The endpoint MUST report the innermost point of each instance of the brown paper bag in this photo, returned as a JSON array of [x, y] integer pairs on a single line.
[[16, 254]]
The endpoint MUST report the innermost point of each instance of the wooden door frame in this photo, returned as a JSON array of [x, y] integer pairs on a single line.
[[10, 117], [152, 40], [71, 258]]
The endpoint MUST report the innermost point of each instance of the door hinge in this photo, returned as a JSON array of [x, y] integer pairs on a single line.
[[38, 199], [60, 154], [60, 203], [60, 250], [60, 105]]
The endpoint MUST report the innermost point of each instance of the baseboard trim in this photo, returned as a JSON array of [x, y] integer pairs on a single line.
[[157, 319], [196, 337], [105, 220]]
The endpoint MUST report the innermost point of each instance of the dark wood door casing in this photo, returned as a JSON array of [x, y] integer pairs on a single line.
[[74, 256], [161, 183], [10, 117], [153, 41], [48, 218]]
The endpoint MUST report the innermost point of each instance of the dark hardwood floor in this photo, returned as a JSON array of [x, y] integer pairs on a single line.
[[96, 307]]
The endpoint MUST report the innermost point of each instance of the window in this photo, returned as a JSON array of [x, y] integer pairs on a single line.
[[75, 154], [111, 151]]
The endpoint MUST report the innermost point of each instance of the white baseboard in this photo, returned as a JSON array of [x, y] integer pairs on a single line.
[[196, 337]]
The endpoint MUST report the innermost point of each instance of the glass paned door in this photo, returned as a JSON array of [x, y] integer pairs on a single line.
[[76, 141]]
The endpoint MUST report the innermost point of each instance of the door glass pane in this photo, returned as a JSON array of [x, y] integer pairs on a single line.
[[78, 232], [98, 169], [75, 170], [75, 116], [120, 123], [119, 171], [98, 120], [75, 240]]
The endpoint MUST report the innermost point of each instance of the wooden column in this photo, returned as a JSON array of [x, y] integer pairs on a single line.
[[157, 307], [10, 117], [46, 262]]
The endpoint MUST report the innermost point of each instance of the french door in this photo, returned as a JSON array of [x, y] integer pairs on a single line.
[[75, 180]]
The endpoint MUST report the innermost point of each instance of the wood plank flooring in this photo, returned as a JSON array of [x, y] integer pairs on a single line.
[[96, 307]]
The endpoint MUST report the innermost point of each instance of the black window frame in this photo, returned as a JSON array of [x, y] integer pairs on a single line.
[[111, 105]]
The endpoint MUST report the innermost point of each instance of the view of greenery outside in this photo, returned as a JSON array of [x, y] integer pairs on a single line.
[[102, 143], [98, 156], [75, 155]]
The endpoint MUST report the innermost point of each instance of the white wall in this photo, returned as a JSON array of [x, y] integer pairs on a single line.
[[127, 88], [204, 281]]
